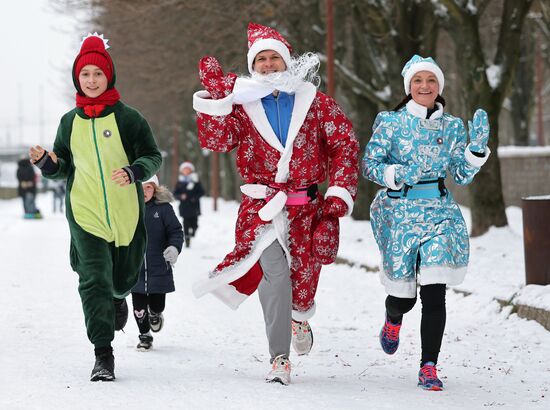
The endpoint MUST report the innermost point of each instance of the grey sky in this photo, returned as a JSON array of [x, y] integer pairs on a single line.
[[38, 48]]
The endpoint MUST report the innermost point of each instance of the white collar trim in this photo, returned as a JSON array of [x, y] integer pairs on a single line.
[[420, 111], [304, 97]]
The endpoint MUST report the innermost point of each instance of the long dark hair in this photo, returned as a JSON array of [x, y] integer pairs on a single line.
[[405, 100]]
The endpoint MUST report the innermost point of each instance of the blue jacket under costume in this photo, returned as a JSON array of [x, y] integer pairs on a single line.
[[422, 241]]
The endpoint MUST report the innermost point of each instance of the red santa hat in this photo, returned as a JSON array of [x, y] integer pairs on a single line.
[[261, 38], [94, 51]]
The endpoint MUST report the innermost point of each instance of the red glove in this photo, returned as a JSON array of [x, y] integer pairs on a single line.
[[213, 80], [334, 207], [326, 240]]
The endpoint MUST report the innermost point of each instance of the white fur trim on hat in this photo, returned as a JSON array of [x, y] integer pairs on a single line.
[[187, 164], [154, 179], [267, 44], [423, 66]]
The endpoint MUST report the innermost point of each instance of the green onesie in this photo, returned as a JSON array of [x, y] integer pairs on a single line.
[[108, 237]]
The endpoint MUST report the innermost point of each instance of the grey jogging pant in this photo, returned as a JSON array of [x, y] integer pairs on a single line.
[[275, 291]]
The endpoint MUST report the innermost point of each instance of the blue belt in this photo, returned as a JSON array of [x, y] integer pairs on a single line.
[[434, 188]]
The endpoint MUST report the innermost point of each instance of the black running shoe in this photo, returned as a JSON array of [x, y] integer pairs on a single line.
[[104, 367], [121, 313], [145, 342]]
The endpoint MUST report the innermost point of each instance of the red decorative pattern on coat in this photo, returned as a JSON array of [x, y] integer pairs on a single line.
[[325, 146]]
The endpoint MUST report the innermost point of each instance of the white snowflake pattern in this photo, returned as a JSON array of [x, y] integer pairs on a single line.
[[211, 64], [330, 128], [300, 140]]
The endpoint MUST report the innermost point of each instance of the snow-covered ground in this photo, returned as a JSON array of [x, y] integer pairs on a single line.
[[208, 356]]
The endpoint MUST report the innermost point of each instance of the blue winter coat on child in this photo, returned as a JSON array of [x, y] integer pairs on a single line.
[[163, 230], [422, 241]]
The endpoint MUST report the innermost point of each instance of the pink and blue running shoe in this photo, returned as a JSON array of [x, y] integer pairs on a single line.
[[427, 377], [389, 336]]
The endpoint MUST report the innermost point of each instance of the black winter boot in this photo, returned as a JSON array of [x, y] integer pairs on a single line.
[[121, 313], [104, 367]]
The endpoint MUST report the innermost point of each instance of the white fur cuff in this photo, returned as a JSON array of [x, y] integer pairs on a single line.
[[205, 105], [474, 160], [301, 316], [389, 177], [343, 194]]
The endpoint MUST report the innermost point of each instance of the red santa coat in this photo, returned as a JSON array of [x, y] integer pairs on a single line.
[[320, 143]]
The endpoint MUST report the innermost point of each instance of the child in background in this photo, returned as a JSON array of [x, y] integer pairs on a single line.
[[189, 191], [104, 149], [164, 243]]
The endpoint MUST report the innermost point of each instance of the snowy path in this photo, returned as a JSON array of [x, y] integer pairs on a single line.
[[208, 356]]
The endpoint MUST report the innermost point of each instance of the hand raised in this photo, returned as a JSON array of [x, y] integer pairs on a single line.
[[479, 131], [213, 80]]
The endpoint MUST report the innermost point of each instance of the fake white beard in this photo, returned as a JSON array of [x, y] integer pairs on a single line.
[[302, 68]]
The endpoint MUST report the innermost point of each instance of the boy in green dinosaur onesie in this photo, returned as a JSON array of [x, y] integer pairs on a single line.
[[105, 149]]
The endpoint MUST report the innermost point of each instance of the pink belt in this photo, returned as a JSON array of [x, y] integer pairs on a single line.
[[297, 198], [275, 203]]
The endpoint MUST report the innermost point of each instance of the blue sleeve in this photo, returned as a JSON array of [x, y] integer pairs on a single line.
[[376, 157]]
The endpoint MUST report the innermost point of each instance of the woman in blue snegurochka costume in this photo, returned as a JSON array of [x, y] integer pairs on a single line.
[[416, 222]]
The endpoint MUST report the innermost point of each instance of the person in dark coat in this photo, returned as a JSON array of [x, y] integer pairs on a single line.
[[189, 190], [164, 243], [26, 188]]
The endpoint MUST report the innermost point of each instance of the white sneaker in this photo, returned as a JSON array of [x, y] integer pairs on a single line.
[[302, 337], [156, 321], [280, 371]]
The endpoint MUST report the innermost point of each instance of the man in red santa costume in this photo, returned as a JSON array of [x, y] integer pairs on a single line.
[[289, 138]]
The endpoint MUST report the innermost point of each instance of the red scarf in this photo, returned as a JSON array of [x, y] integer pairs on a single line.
[[94, 106]]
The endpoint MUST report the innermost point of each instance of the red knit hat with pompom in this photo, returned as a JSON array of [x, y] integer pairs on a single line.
[[94, 51]]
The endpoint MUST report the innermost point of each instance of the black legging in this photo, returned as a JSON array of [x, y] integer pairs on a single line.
[[190, 225], [142, 303], [433, 319]]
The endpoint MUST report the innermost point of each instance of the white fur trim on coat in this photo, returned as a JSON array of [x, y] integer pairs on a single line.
[[203, 104], [476, 161], [267, 44], [343, 194], [398, 288], [256, 113], [420, 111], [389, 177], [303, 99], [450, 275], [234, 272], [301, 316]]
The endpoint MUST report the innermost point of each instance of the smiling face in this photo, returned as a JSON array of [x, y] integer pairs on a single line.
[[148, 191], [424, 88], [268, 61], [93, 82]]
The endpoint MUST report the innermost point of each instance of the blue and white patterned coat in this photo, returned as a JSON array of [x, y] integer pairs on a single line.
[[419, 237]]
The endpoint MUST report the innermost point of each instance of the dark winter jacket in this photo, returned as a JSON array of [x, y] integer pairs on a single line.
[[188, 191], [163, 230], [26, 178]]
